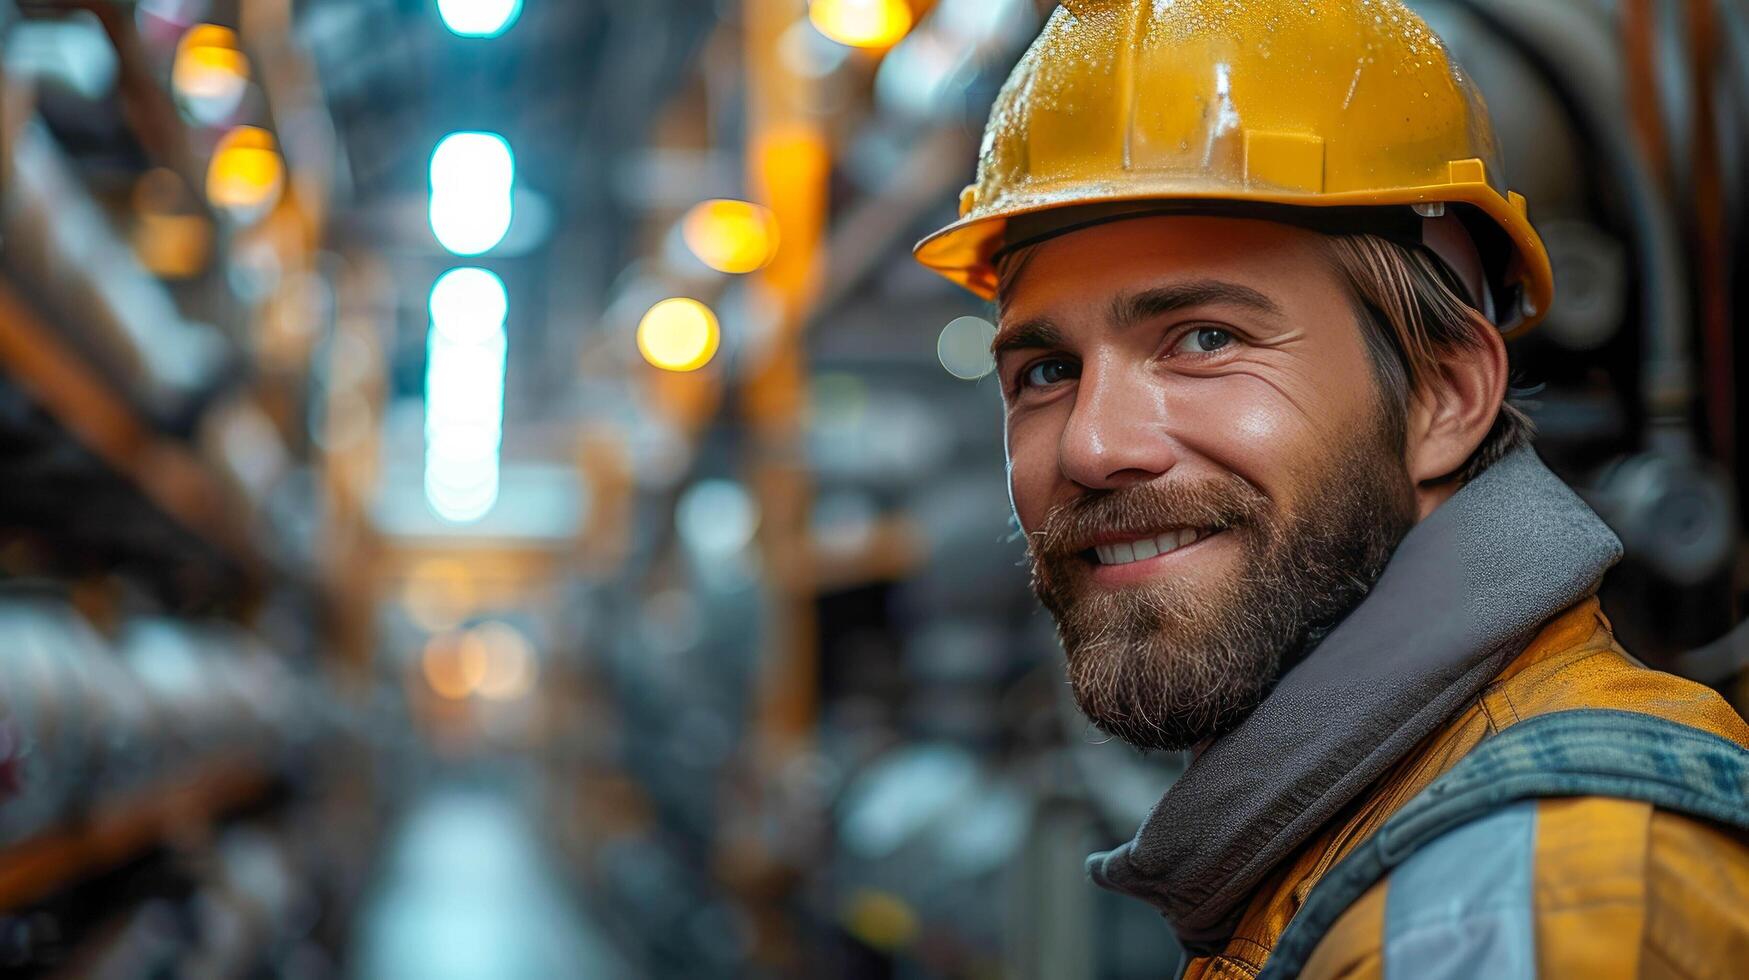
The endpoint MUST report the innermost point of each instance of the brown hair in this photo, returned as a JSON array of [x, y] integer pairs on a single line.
[[1412, 311]]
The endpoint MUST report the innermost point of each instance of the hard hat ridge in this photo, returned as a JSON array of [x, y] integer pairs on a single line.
[[1306, 104]]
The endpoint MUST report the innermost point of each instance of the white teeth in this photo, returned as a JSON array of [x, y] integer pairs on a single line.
[[1123, 553]]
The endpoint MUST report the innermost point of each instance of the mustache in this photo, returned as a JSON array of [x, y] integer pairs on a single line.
[[1146, 509]]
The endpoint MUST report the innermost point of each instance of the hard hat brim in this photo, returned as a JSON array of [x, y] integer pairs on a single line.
[[963, 252]]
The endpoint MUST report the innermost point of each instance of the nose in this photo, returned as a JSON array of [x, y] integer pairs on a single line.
[[1117, 433]]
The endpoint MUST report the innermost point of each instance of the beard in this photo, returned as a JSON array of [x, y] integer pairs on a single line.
[[1169, 663]]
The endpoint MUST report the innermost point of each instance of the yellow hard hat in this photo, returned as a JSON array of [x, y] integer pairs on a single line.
[[1275, 106]]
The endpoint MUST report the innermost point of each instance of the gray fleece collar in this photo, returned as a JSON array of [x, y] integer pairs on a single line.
[[1464, 592]]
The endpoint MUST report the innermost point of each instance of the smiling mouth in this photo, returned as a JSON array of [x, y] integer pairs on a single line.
[[1141, 549]]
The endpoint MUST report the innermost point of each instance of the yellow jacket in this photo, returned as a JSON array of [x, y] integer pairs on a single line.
[[1617, 888]]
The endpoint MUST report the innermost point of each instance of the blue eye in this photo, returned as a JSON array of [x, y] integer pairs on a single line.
[[1043, 374], [1204, 340]]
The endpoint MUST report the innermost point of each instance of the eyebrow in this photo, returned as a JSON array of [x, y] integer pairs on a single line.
[[1129, 309], [1040, 332]]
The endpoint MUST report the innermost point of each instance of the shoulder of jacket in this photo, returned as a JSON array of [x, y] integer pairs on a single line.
[[1573, 667], [1547, 885]]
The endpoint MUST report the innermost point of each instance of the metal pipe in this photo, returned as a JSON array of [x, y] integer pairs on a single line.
[[1578, 61]]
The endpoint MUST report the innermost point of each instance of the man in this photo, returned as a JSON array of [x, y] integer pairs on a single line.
[[1254, 264]]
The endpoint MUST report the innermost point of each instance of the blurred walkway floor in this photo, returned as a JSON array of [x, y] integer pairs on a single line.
[[468, 892]]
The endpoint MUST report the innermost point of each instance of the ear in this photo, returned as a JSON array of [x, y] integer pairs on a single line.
[[1452, 410]]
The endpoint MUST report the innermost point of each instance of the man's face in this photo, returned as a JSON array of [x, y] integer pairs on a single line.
[[1200, 458]]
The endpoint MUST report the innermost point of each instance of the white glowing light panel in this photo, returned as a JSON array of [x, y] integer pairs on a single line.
[[464, 394], [479, 18], [472, 177]]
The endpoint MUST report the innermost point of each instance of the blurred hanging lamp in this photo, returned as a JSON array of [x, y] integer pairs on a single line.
[[862, 23], [246, 176], [473, 176], [731, 236], [479, 18], [466, 357], [679, 334], [454, 664], [210, 73], [510, 662]]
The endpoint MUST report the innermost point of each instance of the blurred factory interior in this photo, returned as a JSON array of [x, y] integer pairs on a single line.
[[488, 494]]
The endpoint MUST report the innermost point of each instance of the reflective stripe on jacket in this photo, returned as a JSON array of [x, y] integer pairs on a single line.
[[1586, 886]]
